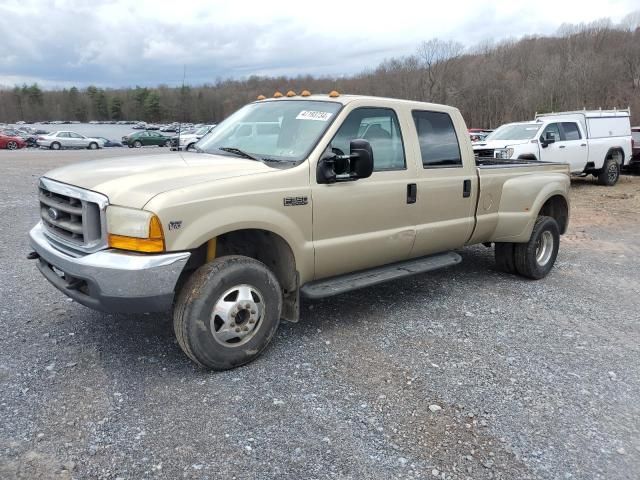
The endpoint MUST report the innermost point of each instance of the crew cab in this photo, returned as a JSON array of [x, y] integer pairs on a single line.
[[596, 142], [324, 195]]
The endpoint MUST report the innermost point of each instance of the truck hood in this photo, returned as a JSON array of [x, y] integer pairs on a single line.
[[494, 144], [133, 181]]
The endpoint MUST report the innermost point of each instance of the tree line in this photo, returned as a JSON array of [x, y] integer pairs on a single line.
[[596, 65]]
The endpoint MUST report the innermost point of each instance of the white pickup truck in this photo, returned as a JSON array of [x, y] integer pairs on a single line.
[[596, 142]]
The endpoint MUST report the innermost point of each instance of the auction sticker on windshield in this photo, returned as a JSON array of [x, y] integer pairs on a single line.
[[313, 115]]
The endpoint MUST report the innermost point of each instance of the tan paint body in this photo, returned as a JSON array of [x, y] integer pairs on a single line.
[[345, 226]]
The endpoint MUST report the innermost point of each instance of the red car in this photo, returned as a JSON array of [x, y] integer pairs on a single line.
[[11, 142]]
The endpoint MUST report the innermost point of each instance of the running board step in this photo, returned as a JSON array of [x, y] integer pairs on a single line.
[[374, 276]]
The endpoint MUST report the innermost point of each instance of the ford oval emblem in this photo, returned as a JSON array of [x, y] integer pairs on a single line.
[[53, 213]]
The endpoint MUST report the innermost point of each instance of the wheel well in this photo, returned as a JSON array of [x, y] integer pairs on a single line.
[[527, 156], [264, 246], [557, 208], [613, 151]]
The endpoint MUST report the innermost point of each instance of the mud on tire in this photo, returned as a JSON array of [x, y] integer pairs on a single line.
[[227, 312]]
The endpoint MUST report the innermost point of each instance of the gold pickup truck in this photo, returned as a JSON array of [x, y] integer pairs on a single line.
[[291, 197]]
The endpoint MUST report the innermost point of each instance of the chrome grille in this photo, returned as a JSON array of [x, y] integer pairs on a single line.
[[484, 153], [72, 216]]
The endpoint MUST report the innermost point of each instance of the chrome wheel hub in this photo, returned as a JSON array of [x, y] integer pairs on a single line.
[[237, 316], [612, 172], [544, 248]]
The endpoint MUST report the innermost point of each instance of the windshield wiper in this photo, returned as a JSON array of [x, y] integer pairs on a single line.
[[239, 152]]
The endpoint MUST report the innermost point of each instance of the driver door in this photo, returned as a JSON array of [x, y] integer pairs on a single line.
[[366, 222], [553, 152]]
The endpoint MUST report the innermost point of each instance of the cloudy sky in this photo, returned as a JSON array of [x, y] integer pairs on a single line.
[[112, 43]]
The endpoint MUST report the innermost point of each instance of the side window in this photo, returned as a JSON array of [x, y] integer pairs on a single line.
[[571, 131], [438, 140], [380, 127], [552, 129], [63, 135]]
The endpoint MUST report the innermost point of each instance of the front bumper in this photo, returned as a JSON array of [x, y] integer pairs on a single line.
[[111, 280]]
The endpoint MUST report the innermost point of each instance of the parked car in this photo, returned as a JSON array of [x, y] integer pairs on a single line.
[[140, 126], [143, 139], [188, 140], [635, 147], [339, 198], [11, 142], [66, 139], [110, 143], [596, 142]]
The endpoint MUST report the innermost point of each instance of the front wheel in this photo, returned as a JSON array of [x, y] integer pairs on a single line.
[[227, 312], [137, 144], [610, 172], [167, 143], [93, 146], [536, 258], [12, 145]]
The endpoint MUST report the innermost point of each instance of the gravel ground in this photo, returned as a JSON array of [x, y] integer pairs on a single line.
[[463, 373]]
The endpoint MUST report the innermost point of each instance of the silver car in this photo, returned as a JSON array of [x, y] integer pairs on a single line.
[[63, 139]]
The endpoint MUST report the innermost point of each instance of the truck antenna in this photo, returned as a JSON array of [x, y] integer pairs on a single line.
[[181, 120]]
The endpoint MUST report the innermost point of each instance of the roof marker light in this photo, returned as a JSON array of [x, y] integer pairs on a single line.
[[261, 97], [291, 93], [334, 94], [277, 94], [305, 93]]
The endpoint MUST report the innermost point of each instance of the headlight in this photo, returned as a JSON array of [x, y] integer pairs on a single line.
[[504, 153], [136, 230]]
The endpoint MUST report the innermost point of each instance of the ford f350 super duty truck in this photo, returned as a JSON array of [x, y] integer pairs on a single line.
[[328, 193]]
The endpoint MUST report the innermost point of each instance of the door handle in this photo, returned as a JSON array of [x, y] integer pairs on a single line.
[[412, 193], [562, 146], [466, 188], [583, 144]]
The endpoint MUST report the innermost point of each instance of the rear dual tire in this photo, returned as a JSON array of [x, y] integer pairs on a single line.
[[533, 259]]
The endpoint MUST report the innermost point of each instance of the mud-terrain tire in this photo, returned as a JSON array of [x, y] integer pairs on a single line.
[[505, 257], [227, 312], [536, 258], [610, 173]]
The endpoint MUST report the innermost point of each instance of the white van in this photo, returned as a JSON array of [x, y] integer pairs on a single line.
[[596, 142]]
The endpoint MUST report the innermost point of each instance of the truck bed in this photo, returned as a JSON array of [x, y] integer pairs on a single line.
[[498, 162]]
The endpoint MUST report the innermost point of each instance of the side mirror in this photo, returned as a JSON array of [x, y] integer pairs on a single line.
[[347, 168], [548, 139]]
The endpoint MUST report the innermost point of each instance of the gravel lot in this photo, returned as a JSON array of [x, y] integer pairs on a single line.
[[463, 373]]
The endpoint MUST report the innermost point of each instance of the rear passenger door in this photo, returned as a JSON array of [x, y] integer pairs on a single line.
[[446, 187]]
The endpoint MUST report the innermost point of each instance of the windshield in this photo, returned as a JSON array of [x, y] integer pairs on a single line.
[[202, 130], [281, 130], [515, 131]]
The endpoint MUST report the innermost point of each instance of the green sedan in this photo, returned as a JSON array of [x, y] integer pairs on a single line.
[[139, 139]]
